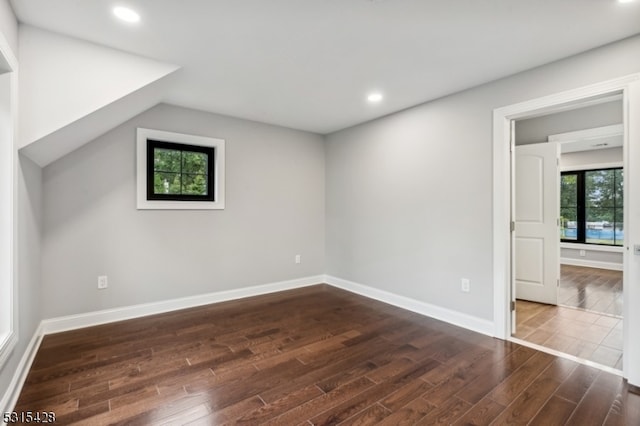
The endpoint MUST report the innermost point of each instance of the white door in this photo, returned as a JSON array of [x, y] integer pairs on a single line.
[[537, 239]]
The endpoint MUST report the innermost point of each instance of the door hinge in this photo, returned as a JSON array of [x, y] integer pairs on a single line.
[[513, 305], [512, 226], [558, 282]]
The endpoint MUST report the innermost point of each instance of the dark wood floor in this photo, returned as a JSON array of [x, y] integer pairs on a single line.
[[311, 356], [587, 335], [592, 289], [587, 323]]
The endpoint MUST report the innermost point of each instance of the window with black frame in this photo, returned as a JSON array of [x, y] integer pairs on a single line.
[[177, 171], [591, 206]]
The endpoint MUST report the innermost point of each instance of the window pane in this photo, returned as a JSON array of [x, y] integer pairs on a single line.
[[194, 184], [600, 225], [194, 162], [166, 160], [166, 183], [569, 223], [569, 207], [599, 188], [619, 187], [618, 227], [569, 191]]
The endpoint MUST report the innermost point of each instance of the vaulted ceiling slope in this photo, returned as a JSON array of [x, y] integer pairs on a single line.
[[310, 64], [72, 91]]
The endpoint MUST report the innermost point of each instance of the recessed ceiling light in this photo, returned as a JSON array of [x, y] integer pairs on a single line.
[[374, 97], [126, 14]]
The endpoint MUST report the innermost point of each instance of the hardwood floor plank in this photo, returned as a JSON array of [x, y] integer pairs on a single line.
[[340, 362], [369, 416], [529, 402], [282, 405], [496, 372], [555, 411], [517, 382], [324, 403], [372, 395], [409, 414], [482, 413], [447, 414], [316, 355], [577, 384], [406, 394], [625, 409], [347, 375], [598, 401], [230, 414], [81, 415]]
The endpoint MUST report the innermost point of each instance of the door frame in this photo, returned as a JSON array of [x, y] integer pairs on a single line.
[[503, 117]]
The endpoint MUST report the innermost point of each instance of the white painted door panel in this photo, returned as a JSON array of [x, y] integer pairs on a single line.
[[537, 243]]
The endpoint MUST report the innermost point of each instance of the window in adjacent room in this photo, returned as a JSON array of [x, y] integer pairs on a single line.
[[591, 206], [178, 171]]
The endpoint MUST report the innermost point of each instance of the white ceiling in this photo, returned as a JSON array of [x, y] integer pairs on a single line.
[[309, 64]]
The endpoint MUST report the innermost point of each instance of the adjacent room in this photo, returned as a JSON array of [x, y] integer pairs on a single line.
[[580, 312], [319, 212]]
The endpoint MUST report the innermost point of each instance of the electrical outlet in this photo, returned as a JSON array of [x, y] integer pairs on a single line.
[[102, 282], [465, 285], [583, 253], [298, 258]]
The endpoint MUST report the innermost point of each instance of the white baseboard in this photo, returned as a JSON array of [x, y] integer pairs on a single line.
[[10, 398], [72, 322], [459, 319], [591, 263]]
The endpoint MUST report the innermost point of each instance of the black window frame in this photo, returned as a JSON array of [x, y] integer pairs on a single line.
[[152, 144], [581, 210]]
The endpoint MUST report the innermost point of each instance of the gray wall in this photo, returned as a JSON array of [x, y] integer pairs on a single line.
[[274, 210], [29, 247], [29, 234], [409, 196], [535, 130], [595, 258]]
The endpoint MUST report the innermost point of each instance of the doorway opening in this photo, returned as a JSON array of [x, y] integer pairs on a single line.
[[503, 194], [569, 289]]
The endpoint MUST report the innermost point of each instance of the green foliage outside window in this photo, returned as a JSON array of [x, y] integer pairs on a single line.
[[180, 172], [591, 206]]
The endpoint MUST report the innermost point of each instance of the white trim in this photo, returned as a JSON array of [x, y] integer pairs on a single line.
[[10, 397], [592, 247], [629, 86], [8, 198], [577, 168], [141, 170], [591, 263], [73, 322], [594, 133], [7, 345], [566, 356], [459, 319], [501, 182]]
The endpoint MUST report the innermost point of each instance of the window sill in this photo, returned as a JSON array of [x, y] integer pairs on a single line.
[[593, 247]]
